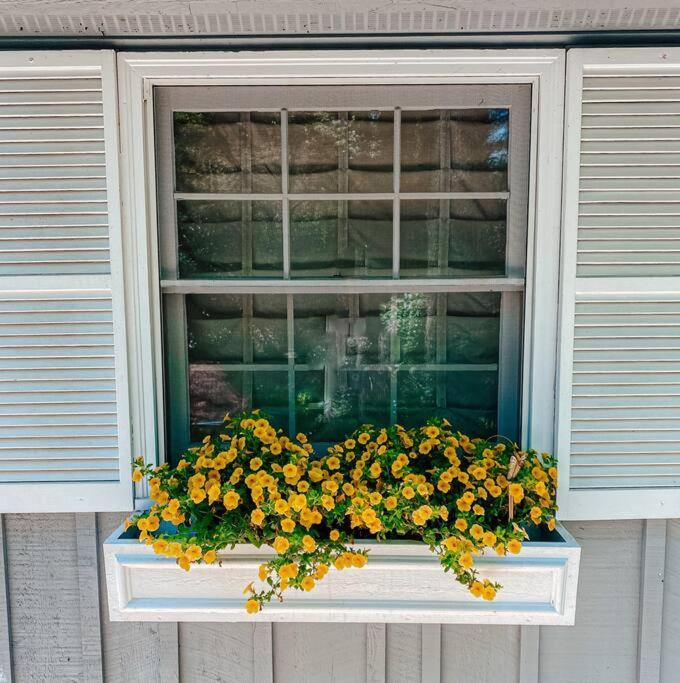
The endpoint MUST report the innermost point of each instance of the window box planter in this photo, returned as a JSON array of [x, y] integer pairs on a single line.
[[402, 582]]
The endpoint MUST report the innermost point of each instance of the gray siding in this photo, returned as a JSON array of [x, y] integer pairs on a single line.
[[54, 624]]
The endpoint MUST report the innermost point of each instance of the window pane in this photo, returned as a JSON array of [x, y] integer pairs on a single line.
[[468, 400], [452, 237], [461, 150], [214, 391], [341, 239], [227, 152], [237, 328], [340, 151], [219, 239], [336, 371]]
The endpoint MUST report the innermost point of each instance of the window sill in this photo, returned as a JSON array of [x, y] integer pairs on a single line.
[[402, 582]]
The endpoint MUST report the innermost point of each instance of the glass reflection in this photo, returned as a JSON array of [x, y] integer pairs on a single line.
[[326, 363], [452, 237], [340, 151], [227, 152], [219, 239], [458, 150], [341, 238]]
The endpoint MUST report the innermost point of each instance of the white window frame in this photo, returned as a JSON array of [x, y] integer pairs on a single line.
[[138, 73]]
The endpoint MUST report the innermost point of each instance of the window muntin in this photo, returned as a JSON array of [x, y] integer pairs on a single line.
[[342, 264]]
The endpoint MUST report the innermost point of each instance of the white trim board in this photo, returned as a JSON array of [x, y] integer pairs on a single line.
[[140, 72]]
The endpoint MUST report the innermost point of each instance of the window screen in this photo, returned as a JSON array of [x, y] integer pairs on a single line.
[[339, 255]]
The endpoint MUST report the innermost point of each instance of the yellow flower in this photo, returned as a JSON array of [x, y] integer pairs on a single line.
[[374, 470], [516, 491], [358, 560], [348, 489], [363, 438], [350, 444], [281, 507], [281, 544], [137, 476], [257, 517], [213, 493], [551, 524], [478, 510], [489, 592], [288, 525], [425, 447], [334, 535], [152, 523], [198, 495], [535, 513], [298, 501], [160, 546], [174, 549], [252, 606], [461, 524], [184, 562], [476, 532], [476, 588], [255, 464], [288, 571], [321, 571], [290, 471], [302, 438], [408, 492], [478, 473], [231, 500], [422, 489], [308, 543], [275, 448], [333, 463], [489, 538], [390, 502], [262, 572], [514, 546], [540, 489], [500, 549], [209, 557], [466, 560], [307, 583], [193, 553]]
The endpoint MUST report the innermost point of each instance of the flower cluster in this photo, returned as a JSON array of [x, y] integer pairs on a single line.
[[250, 483]]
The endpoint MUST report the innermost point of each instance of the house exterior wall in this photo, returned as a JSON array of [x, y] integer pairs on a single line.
[[54, 624]]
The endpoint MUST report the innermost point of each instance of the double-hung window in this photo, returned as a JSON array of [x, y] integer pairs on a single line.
[[338, 255]]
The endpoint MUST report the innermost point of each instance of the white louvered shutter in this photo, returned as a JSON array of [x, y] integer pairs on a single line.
[[618, 426], [64, 434]]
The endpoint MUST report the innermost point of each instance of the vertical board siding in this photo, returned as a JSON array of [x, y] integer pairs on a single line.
[[131, 652], [480, 653], [51, 616], [403, 653], [5, 635], [670, 625], [44, 597], [603, 645], [218, 653], [319, 653]]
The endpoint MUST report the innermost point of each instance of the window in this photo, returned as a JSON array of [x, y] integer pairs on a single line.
[[337, 255]]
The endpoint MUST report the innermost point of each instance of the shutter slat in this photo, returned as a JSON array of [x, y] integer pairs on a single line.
[[52, 172]]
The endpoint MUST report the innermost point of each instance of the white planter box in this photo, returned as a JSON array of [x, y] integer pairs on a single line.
[[402, 582]]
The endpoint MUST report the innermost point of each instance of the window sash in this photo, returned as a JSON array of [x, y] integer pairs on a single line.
[[516, 98]]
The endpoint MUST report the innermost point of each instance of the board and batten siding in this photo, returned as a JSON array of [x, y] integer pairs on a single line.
[[54, 625], [64, 434]]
